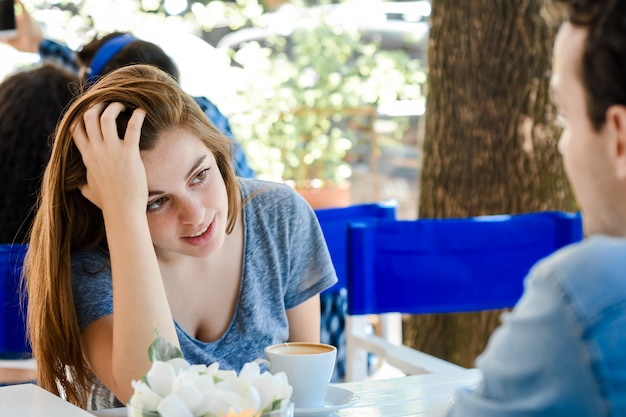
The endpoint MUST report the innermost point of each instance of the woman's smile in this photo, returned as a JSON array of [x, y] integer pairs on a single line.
[[200, 233], [202, 237]]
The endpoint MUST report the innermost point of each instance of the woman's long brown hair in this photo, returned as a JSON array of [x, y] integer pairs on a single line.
[[66, 221]]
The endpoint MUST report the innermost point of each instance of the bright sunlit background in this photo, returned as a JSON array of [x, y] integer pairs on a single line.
[[205, 36]]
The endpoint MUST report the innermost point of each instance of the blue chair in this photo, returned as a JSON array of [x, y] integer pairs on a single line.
[[16, 363], [334, 223], [441, 266], [13, 340]]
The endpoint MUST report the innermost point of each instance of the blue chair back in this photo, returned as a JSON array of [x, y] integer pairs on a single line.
[[334, 223], [450, 265], [13, 339]]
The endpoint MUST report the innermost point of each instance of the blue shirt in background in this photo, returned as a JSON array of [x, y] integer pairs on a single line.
[[562, 350]]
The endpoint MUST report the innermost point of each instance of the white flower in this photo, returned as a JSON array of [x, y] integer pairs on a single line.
[[280, 386], [265, 387], [161, 377], [144, 397], [179, 365], [174, 388], [173, 406], [189, 388]]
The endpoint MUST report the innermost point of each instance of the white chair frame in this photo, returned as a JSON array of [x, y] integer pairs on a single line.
[[388, 346]]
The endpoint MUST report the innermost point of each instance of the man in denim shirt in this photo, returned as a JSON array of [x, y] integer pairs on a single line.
[[562, 350], [30, 39]]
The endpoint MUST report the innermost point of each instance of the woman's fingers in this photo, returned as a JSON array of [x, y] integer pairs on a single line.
[[133, 129], [102, 124], [80, 137], [82, 143], [109, 160], [107, 121], [92, 122]]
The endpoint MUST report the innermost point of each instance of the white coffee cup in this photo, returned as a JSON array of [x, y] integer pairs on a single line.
[[308, 366]]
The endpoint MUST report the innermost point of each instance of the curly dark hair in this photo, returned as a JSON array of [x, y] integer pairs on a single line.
[[136, 52], [31, 103], [604, 55]]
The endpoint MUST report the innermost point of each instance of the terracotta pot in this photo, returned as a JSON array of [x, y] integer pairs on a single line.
[[326, 197]]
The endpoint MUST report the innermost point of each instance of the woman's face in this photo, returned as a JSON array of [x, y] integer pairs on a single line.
[[187, 204]]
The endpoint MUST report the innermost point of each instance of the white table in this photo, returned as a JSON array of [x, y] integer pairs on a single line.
[[28, 400], [419, 395]]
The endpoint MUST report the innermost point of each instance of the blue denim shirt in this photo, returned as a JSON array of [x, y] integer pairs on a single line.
[[65, 56], [562, 350]]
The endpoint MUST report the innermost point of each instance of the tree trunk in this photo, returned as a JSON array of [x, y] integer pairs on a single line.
[[490, 138]]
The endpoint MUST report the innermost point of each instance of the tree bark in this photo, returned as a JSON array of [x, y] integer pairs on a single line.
[[490, 143]]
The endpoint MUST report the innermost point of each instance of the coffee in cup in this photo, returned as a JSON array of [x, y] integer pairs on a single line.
[[308, 366]]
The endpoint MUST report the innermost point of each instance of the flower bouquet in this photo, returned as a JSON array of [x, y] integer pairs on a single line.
[[174, 388]]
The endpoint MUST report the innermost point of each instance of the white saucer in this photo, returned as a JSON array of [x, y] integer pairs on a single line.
[[336, 399]]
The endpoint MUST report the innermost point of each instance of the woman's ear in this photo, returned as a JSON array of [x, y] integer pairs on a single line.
[[616, 121]]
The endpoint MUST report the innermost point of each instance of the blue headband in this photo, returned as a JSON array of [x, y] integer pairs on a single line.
[[104, 54]]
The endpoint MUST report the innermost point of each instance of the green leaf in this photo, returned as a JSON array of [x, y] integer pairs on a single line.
[[162, 349], [276, 405]]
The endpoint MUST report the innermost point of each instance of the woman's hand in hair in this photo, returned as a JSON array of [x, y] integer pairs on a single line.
[[116, 177]]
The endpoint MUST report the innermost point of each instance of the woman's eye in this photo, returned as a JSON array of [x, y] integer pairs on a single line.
[[156, 204], [201, 176]]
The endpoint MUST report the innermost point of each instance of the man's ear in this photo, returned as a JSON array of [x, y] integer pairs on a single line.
[[616, 118]]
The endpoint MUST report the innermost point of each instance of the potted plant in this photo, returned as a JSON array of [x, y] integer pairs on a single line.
[[309, 92]]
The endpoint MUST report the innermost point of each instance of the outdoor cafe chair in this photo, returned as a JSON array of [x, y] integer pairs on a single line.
[[16, 364], [440, 266], [13, 341], [334, 224]]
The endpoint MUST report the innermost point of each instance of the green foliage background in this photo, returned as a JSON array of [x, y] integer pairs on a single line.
[[291, 112]]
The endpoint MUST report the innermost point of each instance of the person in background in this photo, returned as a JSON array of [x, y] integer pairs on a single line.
[[155, 232], [560, 352], [32, 101], [104, 54]]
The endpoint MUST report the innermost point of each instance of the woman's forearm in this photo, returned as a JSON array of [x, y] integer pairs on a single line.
[[140, 304]]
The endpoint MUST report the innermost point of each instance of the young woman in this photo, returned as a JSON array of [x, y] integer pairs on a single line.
[[143, 226]]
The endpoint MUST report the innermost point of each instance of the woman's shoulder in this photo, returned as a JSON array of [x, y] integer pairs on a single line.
[[270, 207], [90, 261], [255, 192]]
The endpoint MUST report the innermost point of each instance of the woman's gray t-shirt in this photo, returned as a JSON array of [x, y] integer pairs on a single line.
[[285, 262]]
